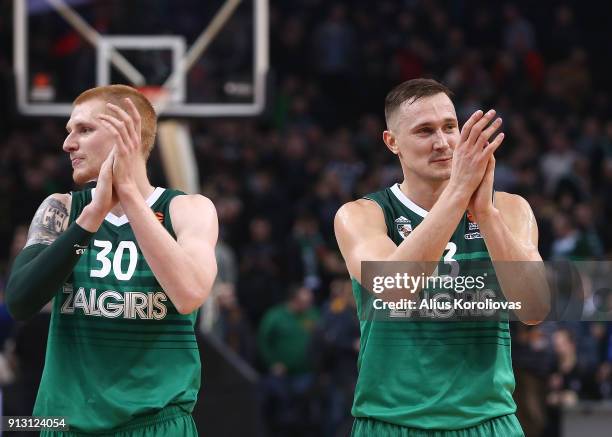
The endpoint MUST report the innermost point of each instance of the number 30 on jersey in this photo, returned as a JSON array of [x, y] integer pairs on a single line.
[[106, 264]]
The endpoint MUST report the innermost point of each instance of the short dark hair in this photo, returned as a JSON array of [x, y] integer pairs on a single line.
[[413, 89]]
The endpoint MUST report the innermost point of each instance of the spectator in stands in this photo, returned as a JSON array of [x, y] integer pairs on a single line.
[[227, 276], [573, 374], [259, 284], [558, 161], [284, 339], [532, 360], [285, 333], [519, 35], [306, 248], [570, 381], [232, 325], [570, 242], [337, 345]]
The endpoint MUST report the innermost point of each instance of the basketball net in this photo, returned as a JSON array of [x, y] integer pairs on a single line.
[[157, 95]]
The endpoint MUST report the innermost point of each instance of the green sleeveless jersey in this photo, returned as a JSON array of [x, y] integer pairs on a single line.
[[432, 374], [117, 348]]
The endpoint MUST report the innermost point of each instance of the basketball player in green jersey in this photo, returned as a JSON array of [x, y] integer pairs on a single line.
[[432, 378], [128, 265]]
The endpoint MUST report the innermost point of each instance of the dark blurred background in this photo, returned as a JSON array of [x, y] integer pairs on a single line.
[[282, 306]]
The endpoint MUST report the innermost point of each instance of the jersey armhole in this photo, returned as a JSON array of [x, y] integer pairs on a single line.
[[372, 200], [168, 215], [383, 213], [71, 214]]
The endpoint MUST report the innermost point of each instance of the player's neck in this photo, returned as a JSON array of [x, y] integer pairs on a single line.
[[423, 192]]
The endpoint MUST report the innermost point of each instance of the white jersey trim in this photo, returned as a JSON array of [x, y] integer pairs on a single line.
[[120, 221], [395, 189]]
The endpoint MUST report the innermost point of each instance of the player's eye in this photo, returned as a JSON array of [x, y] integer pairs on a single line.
[[86, 129], [424, 131], [450, 127]]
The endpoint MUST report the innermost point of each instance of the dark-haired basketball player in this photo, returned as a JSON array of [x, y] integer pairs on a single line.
[[427, 378]]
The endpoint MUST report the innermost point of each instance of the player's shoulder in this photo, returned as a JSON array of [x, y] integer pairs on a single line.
[[190, 210], [360, 212], [190, 202], [50, 220], [360, 208], [512, 204], [61, 197], [57, 200]]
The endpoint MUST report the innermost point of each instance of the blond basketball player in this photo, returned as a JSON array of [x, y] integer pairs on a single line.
[[128, 265]]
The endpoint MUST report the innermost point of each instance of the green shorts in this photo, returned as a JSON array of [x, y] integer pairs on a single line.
[[503, 426], [171, 421]]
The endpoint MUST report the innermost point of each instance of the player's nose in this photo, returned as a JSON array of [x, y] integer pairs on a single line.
[[69, 144], [441, 141]]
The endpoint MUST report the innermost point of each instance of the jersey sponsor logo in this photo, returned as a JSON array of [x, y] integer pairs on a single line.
[[472, 235], [404, 226], [472, 225], [112, 304]]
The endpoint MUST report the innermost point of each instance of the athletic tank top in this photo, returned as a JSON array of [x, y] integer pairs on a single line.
[[117, 349], [432, 374]]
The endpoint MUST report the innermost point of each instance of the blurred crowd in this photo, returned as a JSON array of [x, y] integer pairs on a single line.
[[283, 298]]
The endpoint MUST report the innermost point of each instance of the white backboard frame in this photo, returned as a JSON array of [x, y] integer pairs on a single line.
[[260, 70]]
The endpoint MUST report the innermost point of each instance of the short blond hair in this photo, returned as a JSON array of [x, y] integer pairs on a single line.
[[116, 94]]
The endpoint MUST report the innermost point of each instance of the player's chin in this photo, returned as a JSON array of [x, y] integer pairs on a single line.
[[441, 174], [82, 176]]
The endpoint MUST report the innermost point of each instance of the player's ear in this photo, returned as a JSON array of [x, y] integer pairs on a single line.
[[390, 141]]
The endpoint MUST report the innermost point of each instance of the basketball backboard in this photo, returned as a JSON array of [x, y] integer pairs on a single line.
[[211, 57]]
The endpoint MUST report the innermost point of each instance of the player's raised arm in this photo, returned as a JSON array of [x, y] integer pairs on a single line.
[[362, 234], [53, 247], [197, 229], [511, 234], [185, 267], [510, 231]]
